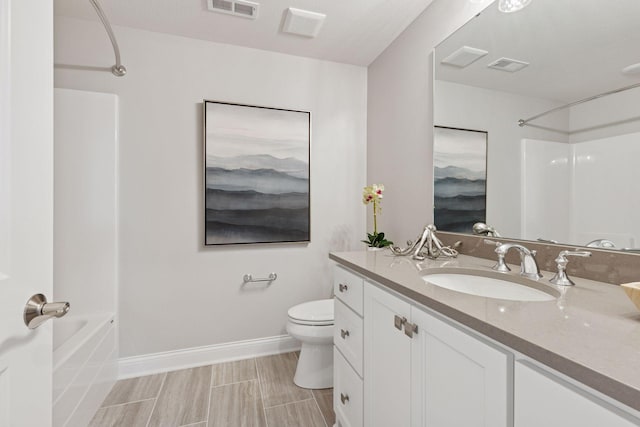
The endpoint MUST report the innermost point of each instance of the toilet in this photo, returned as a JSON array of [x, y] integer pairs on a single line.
[[312, 324]]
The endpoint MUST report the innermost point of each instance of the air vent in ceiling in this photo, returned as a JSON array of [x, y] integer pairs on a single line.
[[302, 22], [464, 56], [243, 8], [508, 64]]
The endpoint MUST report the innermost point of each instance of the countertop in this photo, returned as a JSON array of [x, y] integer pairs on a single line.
[[590, 333]]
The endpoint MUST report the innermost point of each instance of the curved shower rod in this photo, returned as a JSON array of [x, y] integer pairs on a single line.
[[118, 69], [523, 122]]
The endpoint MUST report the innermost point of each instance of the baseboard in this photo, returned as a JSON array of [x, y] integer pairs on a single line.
[[136, 366]]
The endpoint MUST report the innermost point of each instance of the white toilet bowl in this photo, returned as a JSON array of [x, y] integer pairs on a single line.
[[312, 324]]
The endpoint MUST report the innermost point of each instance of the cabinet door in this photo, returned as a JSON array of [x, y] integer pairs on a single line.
[[543, 400], [387, 363], [457, 379]]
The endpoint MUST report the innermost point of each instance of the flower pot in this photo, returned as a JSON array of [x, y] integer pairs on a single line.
[[372, 249]]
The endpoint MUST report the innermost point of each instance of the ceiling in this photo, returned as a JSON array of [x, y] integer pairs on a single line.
[[354, 31], [576, 49]]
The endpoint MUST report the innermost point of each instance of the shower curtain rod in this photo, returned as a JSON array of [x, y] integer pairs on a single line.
[[523, 123], [118, 69]]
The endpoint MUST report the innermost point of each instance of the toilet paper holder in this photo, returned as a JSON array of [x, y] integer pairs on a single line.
[[248, 278]]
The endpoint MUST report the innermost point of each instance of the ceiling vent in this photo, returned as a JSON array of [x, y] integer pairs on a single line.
[[464, 56], [302, 22], [245, 9], [508, 64]]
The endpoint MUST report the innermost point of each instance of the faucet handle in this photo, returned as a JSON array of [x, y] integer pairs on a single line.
[[491, 242], [562, 260], [561, 278]]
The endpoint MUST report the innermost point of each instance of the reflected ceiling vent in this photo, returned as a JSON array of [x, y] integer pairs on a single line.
[[302, 22], [245, 9], [508, 64], [464, 56]]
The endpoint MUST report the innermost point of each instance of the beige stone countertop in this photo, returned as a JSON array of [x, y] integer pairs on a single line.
[[590, 333]]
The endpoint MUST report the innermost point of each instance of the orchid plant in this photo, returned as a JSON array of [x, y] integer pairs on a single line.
[[373, 194]]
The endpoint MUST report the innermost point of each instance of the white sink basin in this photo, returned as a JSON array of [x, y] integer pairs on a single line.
[[487, 287]]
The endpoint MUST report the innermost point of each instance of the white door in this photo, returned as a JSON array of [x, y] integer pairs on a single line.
[[26, 207]]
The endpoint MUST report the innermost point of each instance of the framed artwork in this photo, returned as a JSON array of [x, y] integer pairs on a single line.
[[459, 178], [256, 174]]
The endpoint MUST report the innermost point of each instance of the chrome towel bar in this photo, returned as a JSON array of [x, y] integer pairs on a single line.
[[249, 278]]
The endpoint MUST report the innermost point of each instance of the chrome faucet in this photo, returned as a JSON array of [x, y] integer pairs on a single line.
[[528, 265], [561, 278]]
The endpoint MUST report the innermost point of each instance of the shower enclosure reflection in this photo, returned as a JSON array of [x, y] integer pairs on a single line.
[[569, 176]]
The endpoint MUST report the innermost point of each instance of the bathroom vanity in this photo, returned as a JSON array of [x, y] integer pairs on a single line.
[[410, 353]]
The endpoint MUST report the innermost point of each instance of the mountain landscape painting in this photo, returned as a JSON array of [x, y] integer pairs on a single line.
[[256, 174], [460, 178]]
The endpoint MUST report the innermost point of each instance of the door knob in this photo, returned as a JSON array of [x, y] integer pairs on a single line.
[[38, 310]]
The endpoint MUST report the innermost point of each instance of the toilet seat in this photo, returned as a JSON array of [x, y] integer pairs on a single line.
[[313, 313]]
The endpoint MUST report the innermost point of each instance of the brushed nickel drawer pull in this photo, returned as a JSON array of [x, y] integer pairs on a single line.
[[344, 398], [344, 333], [343, 288], [410, 329], [398, 322]]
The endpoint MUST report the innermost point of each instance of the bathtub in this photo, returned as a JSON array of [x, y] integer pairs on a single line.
[[84, 366]]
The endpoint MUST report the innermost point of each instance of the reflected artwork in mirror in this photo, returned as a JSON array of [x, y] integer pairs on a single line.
[[569, 173], [459, 178]]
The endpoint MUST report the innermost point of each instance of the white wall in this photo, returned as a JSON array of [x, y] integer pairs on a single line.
[[85, 200], [400, 122], [497, 113], [174, 293]]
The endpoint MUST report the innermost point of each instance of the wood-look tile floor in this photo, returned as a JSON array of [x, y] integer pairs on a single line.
[[246, 393]]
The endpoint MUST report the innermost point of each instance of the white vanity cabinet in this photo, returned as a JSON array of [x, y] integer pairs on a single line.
[[422, 371], [542, 399], [412, 367]]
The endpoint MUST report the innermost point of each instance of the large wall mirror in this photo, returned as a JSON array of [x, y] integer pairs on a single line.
[[571, 176]]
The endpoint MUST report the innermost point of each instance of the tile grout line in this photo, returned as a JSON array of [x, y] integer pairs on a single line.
[[319, 410], [233, 383], [126, 403], [289, 403], [166, 374], [209, 402], [264, 409]]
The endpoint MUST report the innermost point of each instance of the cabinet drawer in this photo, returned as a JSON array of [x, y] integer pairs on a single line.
[[347, 392], [347, 286], [347, 335]]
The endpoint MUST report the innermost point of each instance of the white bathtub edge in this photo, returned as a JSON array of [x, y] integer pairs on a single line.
[[136, 366], [71, 346]]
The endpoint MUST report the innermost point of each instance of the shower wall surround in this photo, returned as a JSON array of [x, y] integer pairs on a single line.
[[174, 293], [85, 203]]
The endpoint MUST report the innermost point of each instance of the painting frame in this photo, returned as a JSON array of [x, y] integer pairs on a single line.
[[256, 174], [460, 158]]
